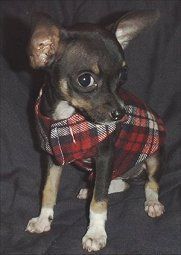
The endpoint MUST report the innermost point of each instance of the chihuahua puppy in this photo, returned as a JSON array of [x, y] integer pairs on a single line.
[[85, 118]]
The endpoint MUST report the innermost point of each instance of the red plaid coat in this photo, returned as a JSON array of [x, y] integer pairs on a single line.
[[75, 140]]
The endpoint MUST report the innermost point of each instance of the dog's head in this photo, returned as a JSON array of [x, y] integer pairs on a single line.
[[86, 63]]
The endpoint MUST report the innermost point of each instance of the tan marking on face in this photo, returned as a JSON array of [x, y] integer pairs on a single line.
[[95, 69], [98, 206], [81, 103], [65, 90], [76, 102], [63, 87]]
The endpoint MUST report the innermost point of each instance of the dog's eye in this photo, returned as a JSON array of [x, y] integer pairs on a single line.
[[86, 80]]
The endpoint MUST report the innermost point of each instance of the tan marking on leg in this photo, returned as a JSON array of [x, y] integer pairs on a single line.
[[152, 205], [152, 184], [51, 186], [42, 223], [152, 164], [96, 237], [98, 206]]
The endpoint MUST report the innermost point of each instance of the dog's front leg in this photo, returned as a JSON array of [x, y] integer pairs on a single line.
[[42, 223], [95, 238]]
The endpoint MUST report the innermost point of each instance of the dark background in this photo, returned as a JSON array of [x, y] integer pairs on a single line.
[[154, 61]]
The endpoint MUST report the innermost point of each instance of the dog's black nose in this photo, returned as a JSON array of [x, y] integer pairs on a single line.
[[117, 114]]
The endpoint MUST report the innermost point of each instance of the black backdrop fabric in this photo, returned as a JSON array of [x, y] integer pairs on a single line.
[[154, 60]]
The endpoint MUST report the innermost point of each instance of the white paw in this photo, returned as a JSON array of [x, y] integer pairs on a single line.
[[94, 240], [117, 185], [39, 225], [83, 194], [154, 208]]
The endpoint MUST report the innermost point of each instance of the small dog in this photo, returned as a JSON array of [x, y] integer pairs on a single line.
[[85, 117]]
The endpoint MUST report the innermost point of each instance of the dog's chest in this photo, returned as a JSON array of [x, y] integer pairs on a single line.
[[63, 111]]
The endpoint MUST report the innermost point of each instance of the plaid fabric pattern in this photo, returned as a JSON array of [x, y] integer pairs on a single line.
[[75, 140]]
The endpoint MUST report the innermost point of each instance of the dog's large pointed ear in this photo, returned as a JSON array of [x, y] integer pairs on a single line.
[[44, 44], [131, 24]]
